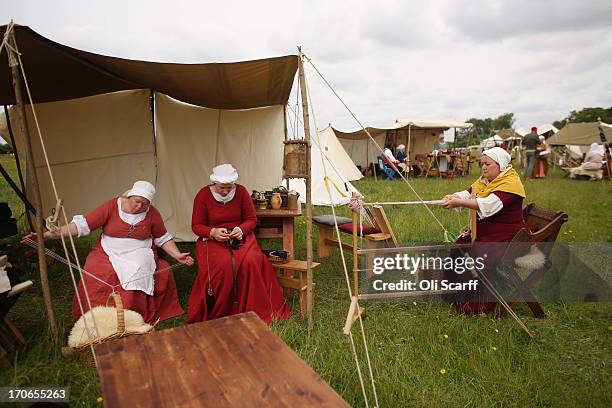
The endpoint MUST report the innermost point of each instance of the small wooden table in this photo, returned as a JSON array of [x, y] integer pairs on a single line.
[[234, 361], [278, 224]]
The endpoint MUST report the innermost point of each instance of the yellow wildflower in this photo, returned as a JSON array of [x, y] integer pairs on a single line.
[[99, 400], [414, 303], [445, 337], [443, 371], [494, 348]]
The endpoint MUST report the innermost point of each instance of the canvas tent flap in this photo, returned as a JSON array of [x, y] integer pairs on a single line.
[[191, 140], [581, 134], [77, 73], [331, 167], [97, 146]]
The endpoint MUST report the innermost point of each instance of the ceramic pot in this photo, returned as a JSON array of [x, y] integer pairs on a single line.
[[276, 201]]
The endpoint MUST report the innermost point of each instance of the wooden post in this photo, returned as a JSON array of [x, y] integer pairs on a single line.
[[305, 115], [31, 176], [355, 256]]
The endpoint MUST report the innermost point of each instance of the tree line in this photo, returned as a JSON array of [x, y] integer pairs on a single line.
[[484, 128]]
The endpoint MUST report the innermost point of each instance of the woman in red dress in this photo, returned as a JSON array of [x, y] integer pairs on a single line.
[[495, 201], [234, 276], [125, 256]]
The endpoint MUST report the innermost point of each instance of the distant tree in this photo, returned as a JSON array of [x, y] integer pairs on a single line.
[[586, 115], [505, 121], [483, 128]]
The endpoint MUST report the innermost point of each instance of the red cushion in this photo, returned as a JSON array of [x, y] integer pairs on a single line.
[[366, 229]]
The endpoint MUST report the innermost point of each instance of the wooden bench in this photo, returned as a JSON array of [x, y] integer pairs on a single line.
[[383, 234], [292, 276]]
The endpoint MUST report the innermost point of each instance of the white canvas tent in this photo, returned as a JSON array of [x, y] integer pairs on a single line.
[[492, 141], [338, 172], [116, 146], [418, 137], [108, 121]]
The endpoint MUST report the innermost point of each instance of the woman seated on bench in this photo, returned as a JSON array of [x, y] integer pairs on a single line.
[[234, 276], [495, 201], [125, 256]]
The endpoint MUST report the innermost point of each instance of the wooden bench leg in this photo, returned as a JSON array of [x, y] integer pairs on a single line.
[[324, 232], [11, 327], [304, 293]]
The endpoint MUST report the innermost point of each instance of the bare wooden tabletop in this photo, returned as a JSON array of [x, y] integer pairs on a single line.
[[234, 361]]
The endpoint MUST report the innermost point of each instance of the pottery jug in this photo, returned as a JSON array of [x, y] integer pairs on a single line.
[[276, 201]]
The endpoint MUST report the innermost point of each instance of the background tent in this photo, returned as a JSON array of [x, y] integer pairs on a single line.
[[101, 142], [581, 134], [339, 170], [492, 141], [418, 137]]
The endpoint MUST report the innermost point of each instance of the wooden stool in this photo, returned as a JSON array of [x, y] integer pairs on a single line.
[[292, 275]]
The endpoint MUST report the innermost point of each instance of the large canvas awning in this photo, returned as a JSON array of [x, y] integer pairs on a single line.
[[581, 134], [57, 72]]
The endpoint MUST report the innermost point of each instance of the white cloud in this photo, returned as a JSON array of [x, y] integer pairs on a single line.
[[387, 59]]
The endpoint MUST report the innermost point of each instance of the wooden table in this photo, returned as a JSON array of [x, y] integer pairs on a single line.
[[278, 224], [234, 361]]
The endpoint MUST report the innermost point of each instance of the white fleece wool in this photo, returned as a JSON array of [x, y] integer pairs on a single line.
[[532, 261], [106, 320]]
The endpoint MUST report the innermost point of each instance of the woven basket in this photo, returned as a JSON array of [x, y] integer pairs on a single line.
[[84, 351], [278, 256]]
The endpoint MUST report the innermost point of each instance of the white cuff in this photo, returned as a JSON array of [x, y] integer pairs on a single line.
[[463, 194], [81, 225], [163, 239], [489, 206]]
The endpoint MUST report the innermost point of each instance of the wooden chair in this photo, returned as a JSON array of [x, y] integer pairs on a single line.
[[10, 337], [545, 226]]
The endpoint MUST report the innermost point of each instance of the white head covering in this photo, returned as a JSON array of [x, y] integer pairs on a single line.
[[542, 138], [143, 189], [223, 174], [401, 147], [500, 156]]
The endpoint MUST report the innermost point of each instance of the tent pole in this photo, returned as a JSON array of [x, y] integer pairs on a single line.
[[28, 205], [308, 180], [33, 181]]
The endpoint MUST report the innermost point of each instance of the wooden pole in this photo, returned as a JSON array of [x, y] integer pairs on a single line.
[[355, 256], [32, 181], [305, 115]]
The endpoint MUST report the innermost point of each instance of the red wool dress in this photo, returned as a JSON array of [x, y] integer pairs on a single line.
[[254, 286], [499, 227], [163, 304]]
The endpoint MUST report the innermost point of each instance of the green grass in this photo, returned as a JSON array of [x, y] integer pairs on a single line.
[[567, 364]]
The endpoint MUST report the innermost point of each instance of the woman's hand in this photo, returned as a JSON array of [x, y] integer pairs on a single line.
[[184, 258], [236, 233], [32, 237], [219, 234], [452, 201]]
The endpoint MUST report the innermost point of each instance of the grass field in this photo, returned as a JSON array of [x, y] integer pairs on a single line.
[[486, 362]]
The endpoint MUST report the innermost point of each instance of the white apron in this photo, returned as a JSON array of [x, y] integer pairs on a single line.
[[133, 261]]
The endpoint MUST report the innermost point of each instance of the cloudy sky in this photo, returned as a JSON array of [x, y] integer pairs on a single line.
[[388, 60]]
